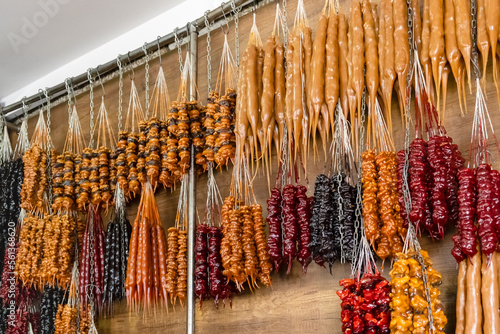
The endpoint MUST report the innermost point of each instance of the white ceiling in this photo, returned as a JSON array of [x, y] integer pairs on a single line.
[[67, 29]]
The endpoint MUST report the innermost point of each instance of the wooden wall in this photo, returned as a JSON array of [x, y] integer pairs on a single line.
[[296, 303]]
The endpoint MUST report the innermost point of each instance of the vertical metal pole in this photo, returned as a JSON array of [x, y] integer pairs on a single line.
[[191, 303]]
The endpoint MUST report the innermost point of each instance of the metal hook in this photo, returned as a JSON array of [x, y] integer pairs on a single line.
[[254, 9], [132, 77], [23, 101], [159, 51], [118, 62], [207, 22], [40, 95], [89, 75], [226, 21], [176, 37], [100, 80], [145, 49]]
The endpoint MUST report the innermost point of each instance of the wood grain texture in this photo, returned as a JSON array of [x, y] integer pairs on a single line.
[[295, 303]]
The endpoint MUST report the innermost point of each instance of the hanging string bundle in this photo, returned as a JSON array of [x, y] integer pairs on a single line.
[[102, 180], [365, 296], [35, 185], [220, 122], [414, 282], [176, 262], [66, 321], [91, 279], [155, 132], [118, 234], [476, 243], [129, 141], [243, 247], [434, 199], [66, 168], [146, 278], [11, 180], [209, 280]]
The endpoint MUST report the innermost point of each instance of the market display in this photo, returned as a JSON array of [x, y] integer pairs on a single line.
[[68, 252]]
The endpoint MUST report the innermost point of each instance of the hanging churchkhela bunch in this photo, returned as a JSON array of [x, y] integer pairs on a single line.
[[477, 239], [35, 185], [248, 120], [116, 254], [66, 168], [98, 173], [155, 132], [220, 114], [11, 180], [209, 279], [146, 280], [333, 223], [91, 281], [289, 208], [176, 256], [415, 294], [128, 146], [411, 301], [384, 226], [66, 318], [366, 296], [433, 168], [243, 246]]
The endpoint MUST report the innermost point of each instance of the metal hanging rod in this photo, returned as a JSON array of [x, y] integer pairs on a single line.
[[13, 111]]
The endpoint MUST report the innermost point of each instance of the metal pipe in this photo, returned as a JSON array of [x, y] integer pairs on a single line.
[[111, 66], [191, 302]]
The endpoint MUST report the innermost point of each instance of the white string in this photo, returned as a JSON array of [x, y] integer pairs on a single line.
[[134, 112], [5, 147], [160, 99]]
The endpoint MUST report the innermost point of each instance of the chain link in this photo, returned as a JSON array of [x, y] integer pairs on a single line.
[[209, 54], [49, 147], [25, 109], [358, 220], [340, 200], [92, 266], [146, 68], [474, 53], [91, 94], [285, 26], [179, 50], [68, 89], [120, 93], [411, 234], [236, 12]]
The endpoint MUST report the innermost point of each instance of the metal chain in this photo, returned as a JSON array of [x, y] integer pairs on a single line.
[[120, 93], [179, 50], [68, 89], [406, 189], [209, 54], [121, 216], [92, 266], [285, 25], [91, 94], [236, 12], [49, 146], [362, 126], [146, 68], [340, 200], [25, 109], [474, 53]]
